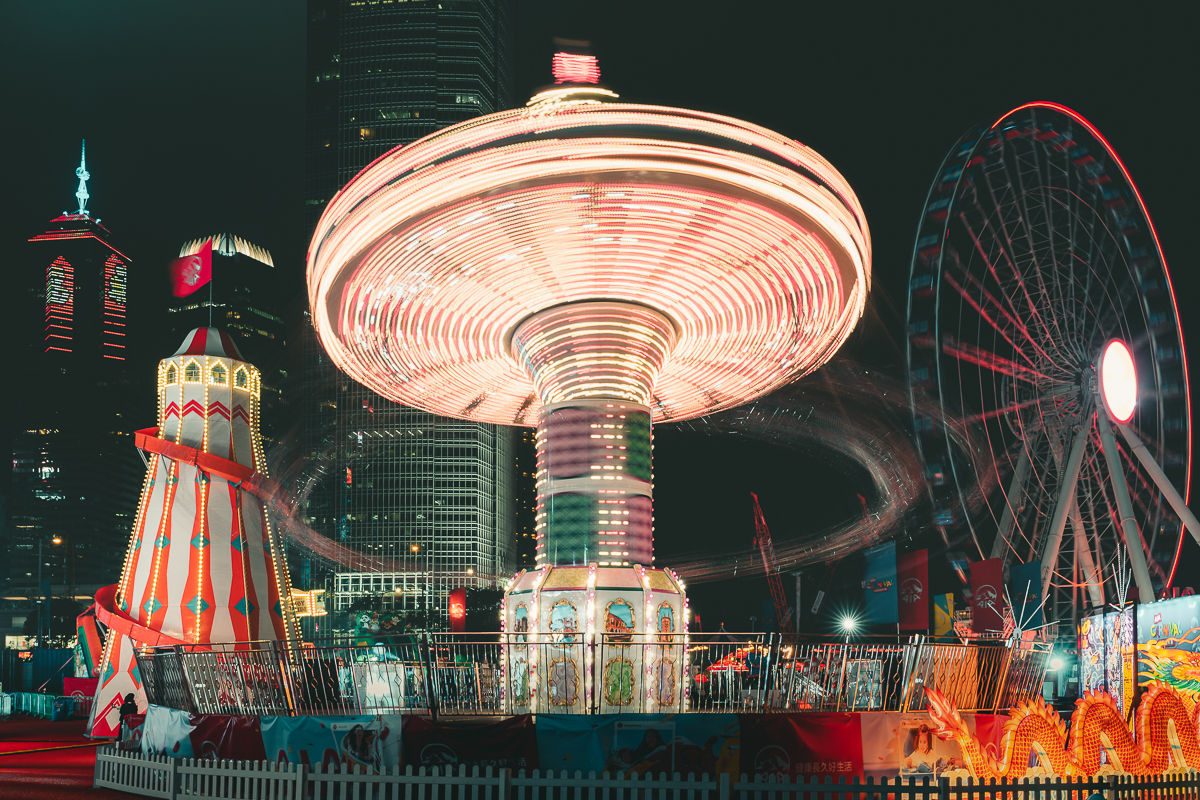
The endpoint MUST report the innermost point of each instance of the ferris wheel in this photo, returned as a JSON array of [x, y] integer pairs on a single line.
[[1047, 373]]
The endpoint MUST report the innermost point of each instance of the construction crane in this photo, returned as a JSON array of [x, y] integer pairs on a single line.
[[762, 538]]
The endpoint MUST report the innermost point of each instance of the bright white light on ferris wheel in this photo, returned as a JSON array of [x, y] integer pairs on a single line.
[[1118, 381]]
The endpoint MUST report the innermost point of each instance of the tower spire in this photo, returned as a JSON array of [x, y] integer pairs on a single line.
[[82, 193]]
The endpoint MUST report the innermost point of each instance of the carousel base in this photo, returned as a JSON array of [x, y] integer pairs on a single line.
[[595, 638]]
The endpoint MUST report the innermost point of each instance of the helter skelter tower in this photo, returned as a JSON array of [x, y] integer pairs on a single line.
[[204, 564], [590, 267]]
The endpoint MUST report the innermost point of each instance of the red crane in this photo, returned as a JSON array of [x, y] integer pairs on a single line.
[[762, 538]]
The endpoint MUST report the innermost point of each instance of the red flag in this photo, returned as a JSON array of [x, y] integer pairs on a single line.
[[189, 273], [458, 610], [912, 574], [987, 604]]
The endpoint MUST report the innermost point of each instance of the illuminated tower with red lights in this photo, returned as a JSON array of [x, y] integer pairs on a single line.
[[85, 295], [203, 564], [75, 472], [590, 267]]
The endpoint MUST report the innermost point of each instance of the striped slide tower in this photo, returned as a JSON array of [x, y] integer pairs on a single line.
[[204, 564]]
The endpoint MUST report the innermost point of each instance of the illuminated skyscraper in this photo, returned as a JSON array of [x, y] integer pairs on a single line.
[[84, 293], [384, 478], [74, 465]]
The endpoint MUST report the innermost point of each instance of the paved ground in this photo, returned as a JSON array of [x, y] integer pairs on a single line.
[[50, 774]]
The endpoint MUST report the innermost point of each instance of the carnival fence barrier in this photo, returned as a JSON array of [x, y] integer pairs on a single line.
[[475, 674], [37, 705], [160, 776]]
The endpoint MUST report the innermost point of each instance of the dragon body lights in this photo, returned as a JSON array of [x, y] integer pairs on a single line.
[[1100, 742]]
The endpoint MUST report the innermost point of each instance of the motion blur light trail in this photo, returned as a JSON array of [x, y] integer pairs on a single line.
[[845, 410]]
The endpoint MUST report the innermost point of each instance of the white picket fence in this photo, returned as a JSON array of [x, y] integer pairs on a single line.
[[164, 777], [161, 776]]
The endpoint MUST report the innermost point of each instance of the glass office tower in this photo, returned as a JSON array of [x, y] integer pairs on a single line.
[[432, 497]]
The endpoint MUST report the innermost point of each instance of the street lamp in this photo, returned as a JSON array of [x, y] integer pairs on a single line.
[[43, 597], [416, 548]]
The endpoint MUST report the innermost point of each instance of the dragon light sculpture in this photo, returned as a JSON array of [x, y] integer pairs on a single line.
[[1167, 741]]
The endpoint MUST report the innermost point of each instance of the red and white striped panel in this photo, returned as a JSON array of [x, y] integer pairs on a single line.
[[204, 564]]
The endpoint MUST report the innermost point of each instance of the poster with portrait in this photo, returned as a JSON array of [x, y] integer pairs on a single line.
[[906, 745], [352, 741]]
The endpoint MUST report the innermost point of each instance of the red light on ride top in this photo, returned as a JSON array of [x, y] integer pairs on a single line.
[[1118, 381], [571, 68]]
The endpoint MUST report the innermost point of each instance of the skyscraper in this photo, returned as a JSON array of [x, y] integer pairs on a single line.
[[75, 469], [83, 288], [244, 296], [434, 493]]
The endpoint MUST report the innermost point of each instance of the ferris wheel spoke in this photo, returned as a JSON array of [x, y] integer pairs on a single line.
[[991, 265], [1062, 504], [1119, 302], [1044, 196], [1021, 203], [985, 316], [1003, 411], [998, 306], [1012, 247], [1090, 501], [1128, 525], [1083, 552], [1161, 481], [973, 354], [1012, 501]]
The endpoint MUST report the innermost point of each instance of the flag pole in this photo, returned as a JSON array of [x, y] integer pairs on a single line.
[[210, 285]]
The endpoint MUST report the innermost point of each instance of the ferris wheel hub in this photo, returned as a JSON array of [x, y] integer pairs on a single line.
[[1118, 380]]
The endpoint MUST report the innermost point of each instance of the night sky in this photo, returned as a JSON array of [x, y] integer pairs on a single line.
[[194, 116]]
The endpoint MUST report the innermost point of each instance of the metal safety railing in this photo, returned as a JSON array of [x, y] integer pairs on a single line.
[[496, 674]]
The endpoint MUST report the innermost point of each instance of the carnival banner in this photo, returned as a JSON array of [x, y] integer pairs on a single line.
[[1026, 594], [79, 688], [1168, 635], [943, 614], [235, 736], [352, 741], [987, 605], [913, 577], [811, 745], [167, 732], [170, 732], [510, 743], [640, 743], [373, 742], [879, 584]]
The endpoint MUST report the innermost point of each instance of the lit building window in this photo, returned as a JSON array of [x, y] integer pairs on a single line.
[[218, 375], [171, 375], [240, 380], [191, 373]]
